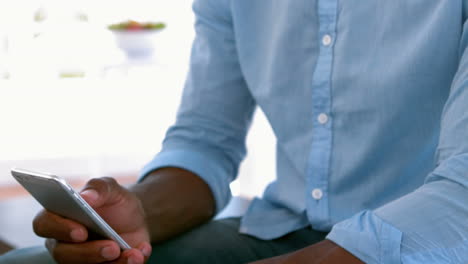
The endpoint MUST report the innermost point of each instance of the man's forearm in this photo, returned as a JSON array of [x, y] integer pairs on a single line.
[[174, 200]]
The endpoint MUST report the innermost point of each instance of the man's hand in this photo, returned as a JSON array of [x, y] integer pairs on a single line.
[[68, 241], [325, 252]]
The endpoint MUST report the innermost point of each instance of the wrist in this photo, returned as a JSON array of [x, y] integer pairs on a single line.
[[174, 200]]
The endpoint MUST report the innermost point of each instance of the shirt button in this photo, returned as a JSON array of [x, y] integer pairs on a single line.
[[326, 40], [317, 194], [322, 118]]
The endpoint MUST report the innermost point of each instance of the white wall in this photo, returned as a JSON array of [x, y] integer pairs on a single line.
[[100, 124]]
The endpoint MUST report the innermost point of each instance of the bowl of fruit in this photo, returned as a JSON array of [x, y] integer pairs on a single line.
[[136, 39]]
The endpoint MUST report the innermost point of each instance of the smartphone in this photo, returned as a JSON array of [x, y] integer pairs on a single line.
[[57, 196]]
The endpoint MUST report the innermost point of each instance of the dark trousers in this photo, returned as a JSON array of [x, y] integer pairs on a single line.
[[220, 242], [215, 242]]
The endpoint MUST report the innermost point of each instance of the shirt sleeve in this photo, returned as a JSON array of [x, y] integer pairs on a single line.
[[429, 225], [215, 113]]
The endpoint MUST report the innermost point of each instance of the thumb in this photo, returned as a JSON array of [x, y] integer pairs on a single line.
[[102, 192]]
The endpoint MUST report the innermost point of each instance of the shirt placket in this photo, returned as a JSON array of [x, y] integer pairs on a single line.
[[319, 161]]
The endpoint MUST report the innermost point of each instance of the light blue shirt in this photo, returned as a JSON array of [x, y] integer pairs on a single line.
[[368, 101]]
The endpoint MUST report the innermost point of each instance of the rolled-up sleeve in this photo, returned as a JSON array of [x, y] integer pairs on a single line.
[[208, 137], [429, 225]]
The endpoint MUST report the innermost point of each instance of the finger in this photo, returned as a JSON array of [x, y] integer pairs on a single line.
[[50, 225], [134, 256], [146, 249], [131, 256], [88, 252], [102, 191]]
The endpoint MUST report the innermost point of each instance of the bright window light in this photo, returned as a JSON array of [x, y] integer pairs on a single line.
[[72, 103]]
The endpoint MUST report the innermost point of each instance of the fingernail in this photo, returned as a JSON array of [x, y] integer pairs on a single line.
[[108, 253], [50, 243], [131, 261], [91, 195], [146, 250], [77, 235]]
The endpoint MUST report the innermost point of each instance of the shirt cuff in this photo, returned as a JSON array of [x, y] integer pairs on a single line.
[[369, 238], [454, 169], [198, 163]]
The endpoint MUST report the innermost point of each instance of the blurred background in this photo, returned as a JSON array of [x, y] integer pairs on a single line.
[[75, 104]]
